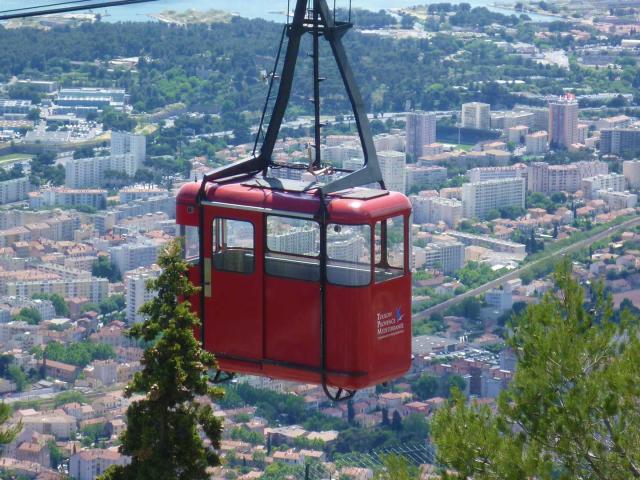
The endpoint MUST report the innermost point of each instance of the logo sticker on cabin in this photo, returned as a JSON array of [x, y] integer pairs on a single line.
[[390, 324]]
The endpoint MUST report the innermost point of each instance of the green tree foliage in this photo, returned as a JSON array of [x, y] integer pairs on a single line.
[[44, 170], [397, 468], [69, 396], [114, 303], [163, 432], [119, 121], [17, 375], [475, 274], [56, 455], [80, 354], [84, 152], [571, 410], [425, 387], [59, 304], [30, 315], [7, 435], [454, 382]]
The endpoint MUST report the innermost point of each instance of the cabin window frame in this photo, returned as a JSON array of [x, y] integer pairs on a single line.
[[289, 256], [215, 246], [367, 245], [381, 262]]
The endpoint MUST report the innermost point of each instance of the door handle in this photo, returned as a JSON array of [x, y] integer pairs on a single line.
[[207, 278]]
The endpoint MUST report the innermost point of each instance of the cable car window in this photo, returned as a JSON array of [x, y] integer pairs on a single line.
[[191, 243], [293, 248], [349, 255], [389, 244], [233, 246]]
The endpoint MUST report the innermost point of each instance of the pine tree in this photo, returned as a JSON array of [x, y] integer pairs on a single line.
[[7, 435], [571, 410], [351, 412], [163, 430], [396, 421]]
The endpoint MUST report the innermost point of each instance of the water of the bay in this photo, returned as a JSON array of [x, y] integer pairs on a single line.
[[268, 9]]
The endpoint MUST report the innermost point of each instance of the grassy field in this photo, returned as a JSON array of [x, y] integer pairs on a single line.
[[14, 157]]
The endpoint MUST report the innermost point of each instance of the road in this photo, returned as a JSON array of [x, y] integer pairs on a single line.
[[425, 314]]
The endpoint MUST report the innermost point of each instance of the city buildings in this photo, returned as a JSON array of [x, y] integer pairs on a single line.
[[620, 141], [481, 198], [483, 174], [563, 122], [476, 115], [446, 257], [90, 464], [537, 143], [393, 167], [432, 209], [90, 172], [125, 143], [421, 131], [618, 200], [545, 178], [91, 97], [14, 190], [631, 171], [133, 255], [69, 197], [612, 181], [425, 177]]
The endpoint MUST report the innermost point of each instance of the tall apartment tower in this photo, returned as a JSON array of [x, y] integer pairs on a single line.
[[394, 170], [480, 198], [421, 131], [563, 122], [125, 143], [476, 115]]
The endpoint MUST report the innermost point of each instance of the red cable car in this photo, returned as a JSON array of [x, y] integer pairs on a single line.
[[303, 281]]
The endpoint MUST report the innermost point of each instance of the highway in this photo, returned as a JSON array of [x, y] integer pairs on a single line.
[[441, 307]]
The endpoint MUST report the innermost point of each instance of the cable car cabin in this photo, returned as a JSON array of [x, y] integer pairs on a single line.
[[273, 307]]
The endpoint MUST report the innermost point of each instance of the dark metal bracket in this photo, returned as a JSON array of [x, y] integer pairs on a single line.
[[319, 22]]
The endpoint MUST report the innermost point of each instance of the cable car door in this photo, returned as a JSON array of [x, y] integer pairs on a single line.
[[233, 288]]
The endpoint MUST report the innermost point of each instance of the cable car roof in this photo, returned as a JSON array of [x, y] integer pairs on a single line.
[[353, 206]]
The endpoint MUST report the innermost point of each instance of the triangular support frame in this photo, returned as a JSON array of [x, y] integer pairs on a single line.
[[319, 22]]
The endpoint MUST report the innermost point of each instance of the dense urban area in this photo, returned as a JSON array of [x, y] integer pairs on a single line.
[[515, 136]]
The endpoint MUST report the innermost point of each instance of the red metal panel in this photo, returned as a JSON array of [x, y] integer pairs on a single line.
[[349, 336], [292, 321], [391, 339], [234, 312]]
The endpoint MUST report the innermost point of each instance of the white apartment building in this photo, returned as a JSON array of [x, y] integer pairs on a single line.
[[93, 288], [89, 172], [618, 200], [125, 143], [518, 134], [14, 190], [447, 257], [483, 174], [133, 255], [436, 209], [545, 178], [537, 143], [137, 293], [69, 197], [480, 198], [631, 171], [476, 115], [425, 177], [394, 170], [563, 122], [421, 131], [90, 464], [614, 182], [140, 192], [388, 141]]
